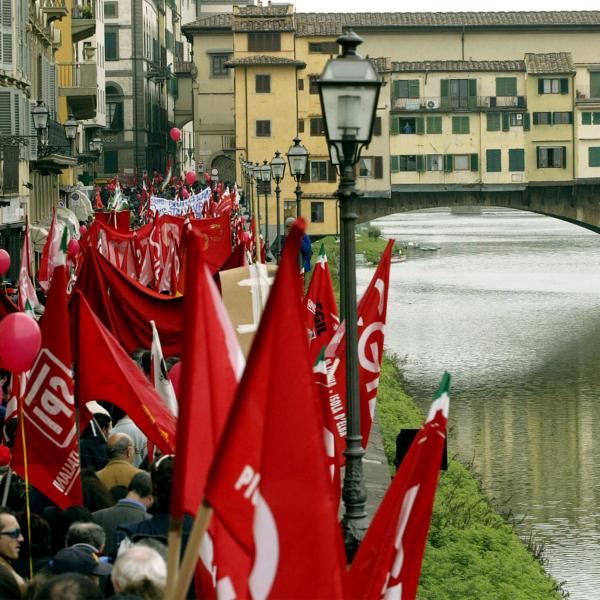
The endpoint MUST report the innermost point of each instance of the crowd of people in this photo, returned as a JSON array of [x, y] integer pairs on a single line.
[[114, 544]]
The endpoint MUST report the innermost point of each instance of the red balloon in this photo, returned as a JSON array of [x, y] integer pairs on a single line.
[[175, 134], [83, 230], [73, 248], [246, 236], [190, 177], [175, 377], [4, 261], [20, 342]]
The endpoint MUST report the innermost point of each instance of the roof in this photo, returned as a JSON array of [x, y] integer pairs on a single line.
[[332, 24], [549, 63], [459, 65], [259, 59]]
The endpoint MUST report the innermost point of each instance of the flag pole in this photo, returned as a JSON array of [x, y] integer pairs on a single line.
[[174, 550], [190, 558], [7, 486]]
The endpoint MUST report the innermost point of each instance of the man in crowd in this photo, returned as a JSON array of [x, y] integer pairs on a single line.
[[131, 509], [119, 470], [140, 571], [10, 542]]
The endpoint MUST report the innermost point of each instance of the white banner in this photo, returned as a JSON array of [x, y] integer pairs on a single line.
[[180, 208]]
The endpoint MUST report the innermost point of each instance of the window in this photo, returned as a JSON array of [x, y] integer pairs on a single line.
[[300, 84], [111, 10], [551, 157], [407, 126], [317, 212], [542, 118], [594, 156], [114, 108], [594, 85], [516, 159], [313, 87], [300, 125], [506, 86], [435, 162], [10, 169], [323, 48], [516, 119], [562, 118], [407, 162], [264, 41], [111, 161], [365, 166], [459, 92], [553, 86], [317, 126], [493, 121], [434, 124], [460, 125], [320, 170], [590, 118], [289, 208], [405, 88], [217, 65], [263, 84], [493, 160], [263, 128], [377, 126], [462, 162], [111, 44]]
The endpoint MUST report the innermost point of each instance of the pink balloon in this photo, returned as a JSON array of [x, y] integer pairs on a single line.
[[185, 193], [73, 248], [83, 230], [175, 134], [20, 342], [4, 261], [243, 219], [190, 177], [175, 377]]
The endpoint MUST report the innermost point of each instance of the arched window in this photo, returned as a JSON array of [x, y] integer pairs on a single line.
[[114, 108]]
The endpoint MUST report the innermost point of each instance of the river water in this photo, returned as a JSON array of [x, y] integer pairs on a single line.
[[510, 306]]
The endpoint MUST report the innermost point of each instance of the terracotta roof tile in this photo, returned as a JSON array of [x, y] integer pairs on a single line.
[[459, 65], [551, 62], [259, 59]]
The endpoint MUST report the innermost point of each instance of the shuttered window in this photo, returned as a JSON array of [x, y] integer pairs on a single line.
[[460, 125], [562, 118], [493, 121], [6, 28], [263, 128], [551, 157], [263, 84], [434, 124], [594, 156], [493, 160], [317, 126], [516, 159], [506, 86], [300, 125], [590, 118], [264, 42], [377, 126], [111, 44], [542, 118], [405, 88], [111, 162], [595, 85]]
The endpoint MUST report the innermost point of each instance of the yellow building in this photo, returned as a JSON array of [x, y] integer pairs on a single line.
[[470, 100]]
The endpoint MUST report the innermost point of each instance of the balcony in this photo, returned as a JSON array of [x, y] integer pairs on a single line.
[[54, 10], [464, 103], [78, 82], [184, 68], [83, 23], [585, 95], [57, 154], [228, 143]]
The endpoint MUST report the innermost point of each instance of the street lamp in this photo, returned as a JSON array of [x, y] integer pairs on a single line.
[[349, 90], [298, 157], [214, 178], [40, 114], [71, 126], [255, 168], [265, 177], [278, 171]]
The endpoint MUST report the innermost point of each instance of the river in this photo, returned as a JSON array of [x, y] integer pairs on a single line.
[[510, 306]]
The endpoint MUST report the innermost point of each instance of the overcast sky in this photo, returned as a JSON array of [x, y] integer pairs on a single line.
[[438, 5]]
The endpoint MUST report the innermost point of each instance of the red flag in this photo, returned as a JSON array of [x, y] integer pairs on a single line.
[[106, 372], [388, 562], [212, 365], [6, 305], [47, 438], [277, 504], [27, 296], [49, 253], [321, 309], [371, 311]]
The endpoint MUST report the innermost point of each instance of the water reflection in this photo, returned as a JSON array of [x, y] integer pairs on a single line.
[[510, 305]]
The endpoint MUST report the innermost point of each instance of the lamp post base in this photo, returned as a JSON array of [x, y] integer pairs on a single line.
[[354, 531]]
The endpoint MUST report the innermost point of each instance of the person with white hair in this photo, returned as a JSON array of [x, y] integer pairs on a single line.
[[140, 571]]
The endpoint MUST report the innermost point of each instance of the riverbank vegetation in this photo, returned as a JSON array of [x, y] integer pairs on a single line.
[[472, 551]]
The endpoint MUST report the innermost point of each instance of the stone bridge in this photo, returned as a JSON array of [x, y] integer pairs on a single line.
[[576, 203]]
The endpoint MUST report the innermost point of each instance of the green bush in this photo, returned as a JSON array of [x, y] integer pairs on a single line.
[[373, 232]]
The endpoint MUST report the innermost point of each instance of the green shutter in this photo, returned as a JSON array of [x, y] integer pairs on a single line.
[[526, 121], [536, 118], [460, 125], [448, 163], [564, 86], [413, 88], [564, 156], [395, 89], [586, 118], [516, 159], [434, 124], [596, 118], [505, 122], [493, 121], [506, 86], [472, 100], [493, 161], [594, 157], [474, 162], [540, 86], [420, 163], [395, 125], [445, 92], [420, 125], [395, 163]]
